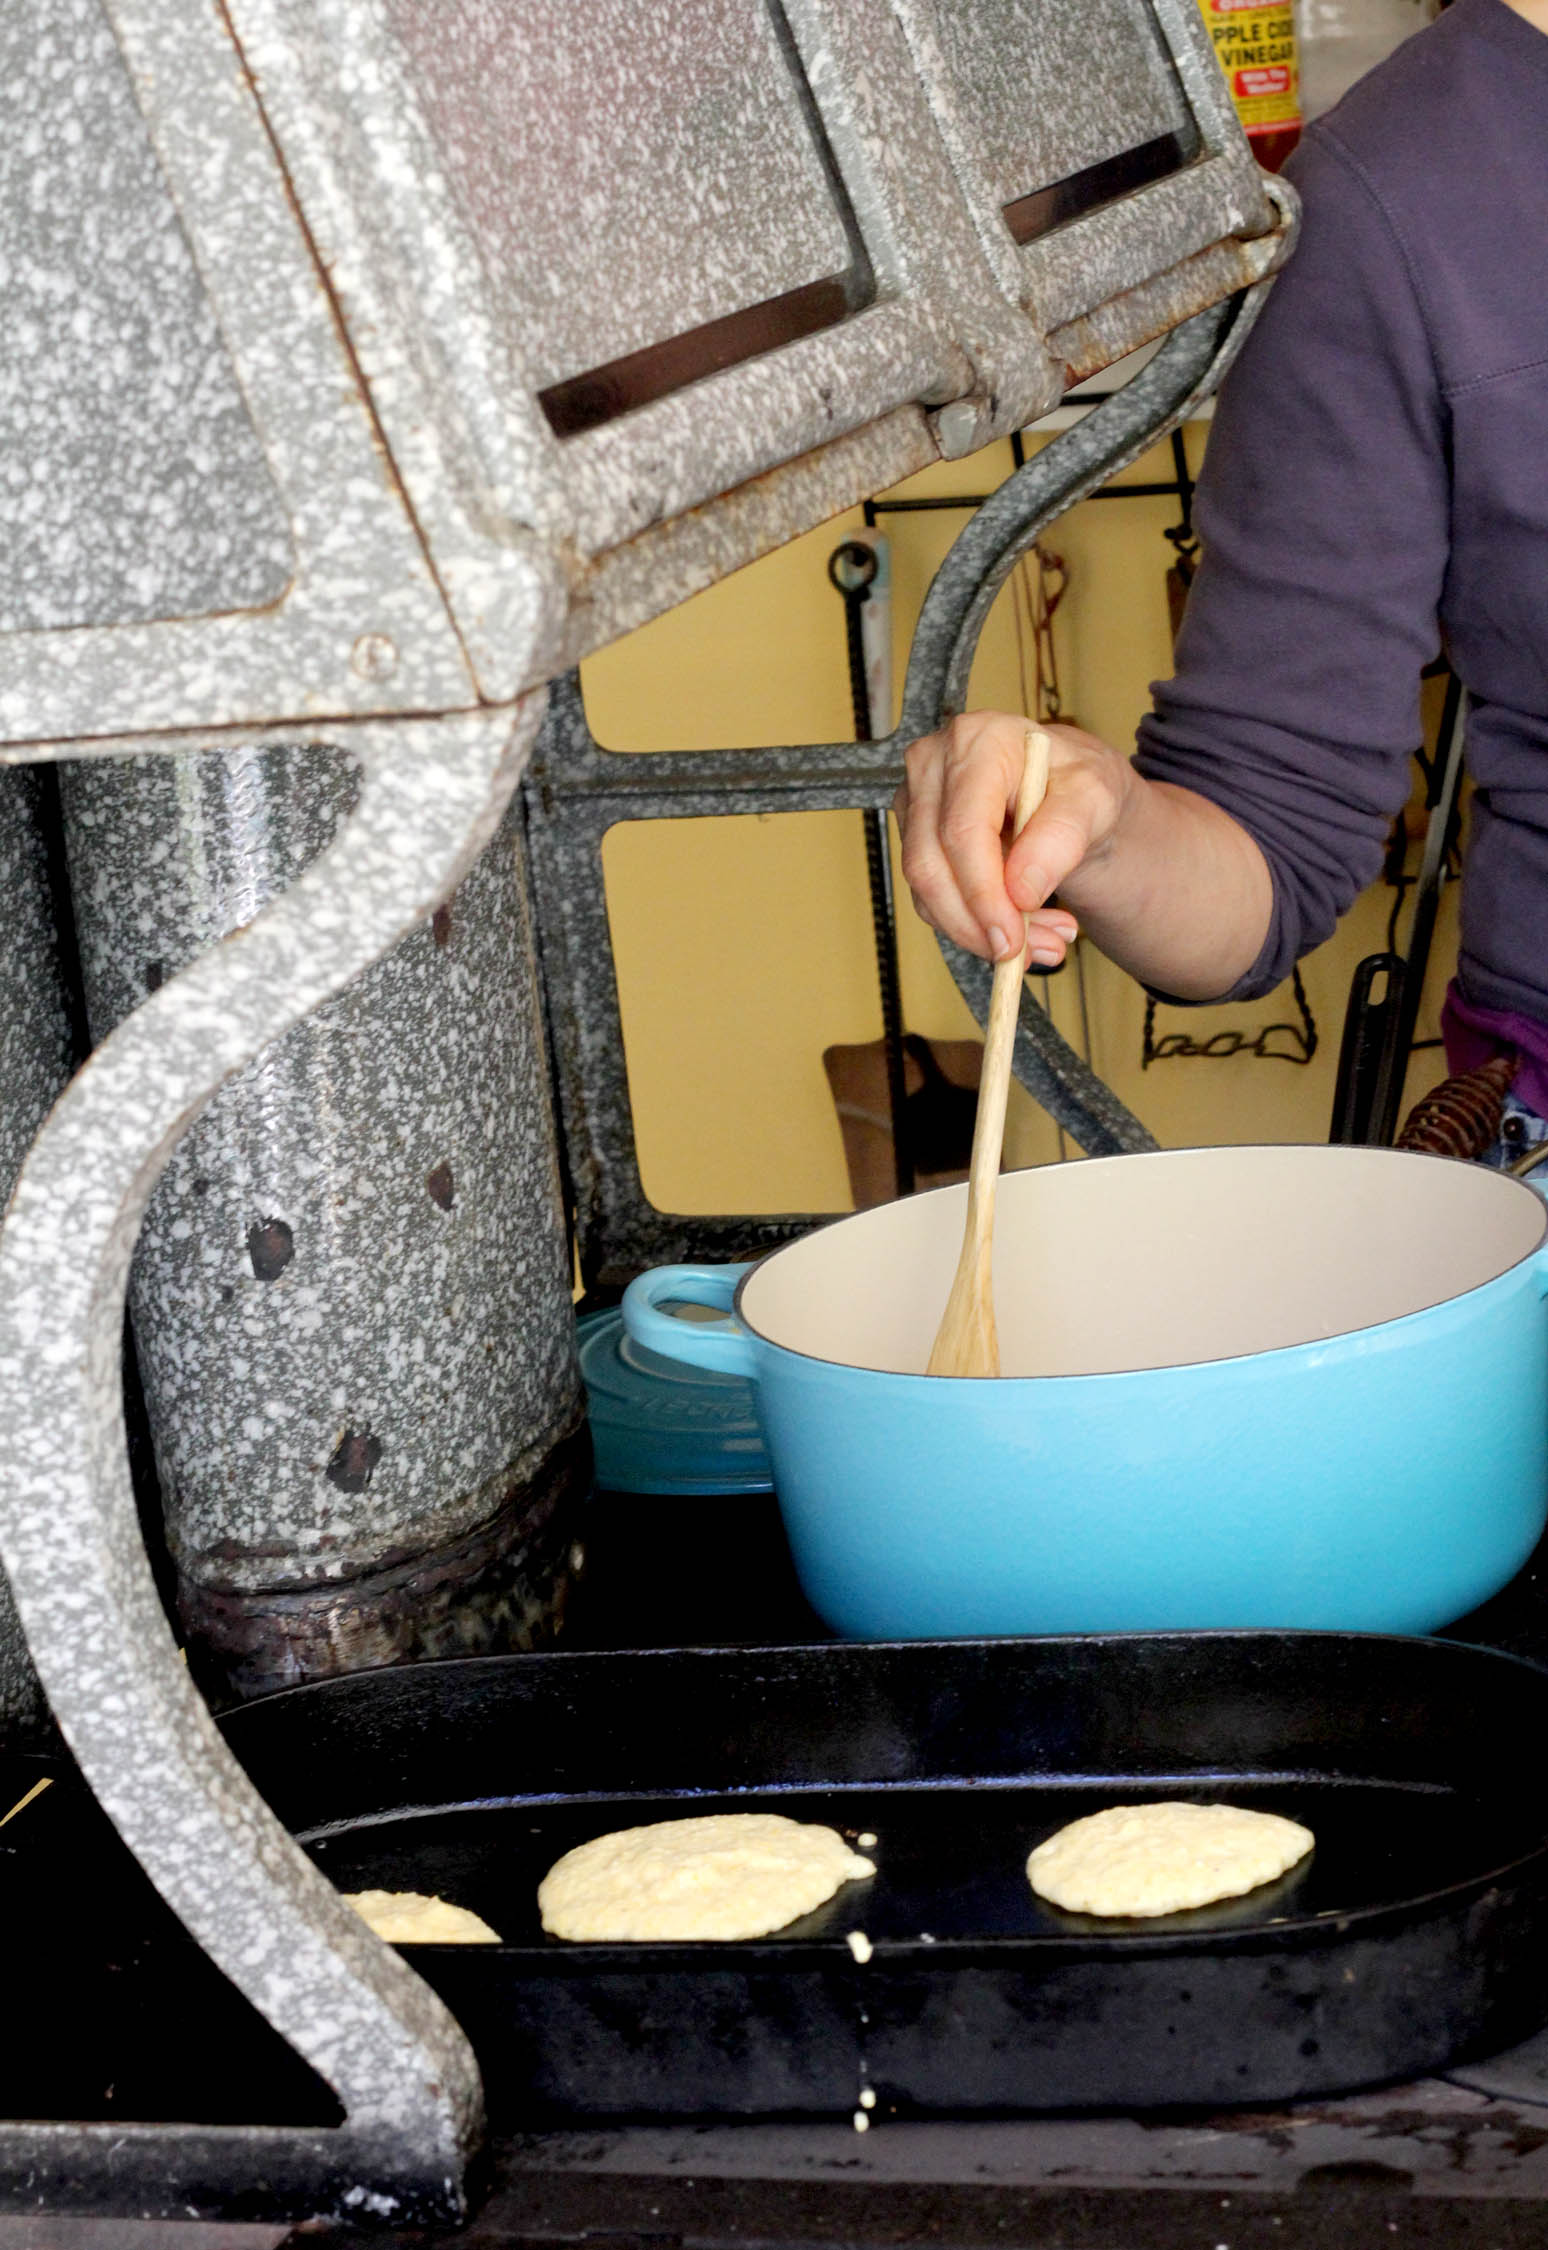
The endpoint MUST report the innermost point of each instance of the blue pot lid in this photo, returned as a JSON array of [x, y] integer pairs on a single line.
[[659, 1425]]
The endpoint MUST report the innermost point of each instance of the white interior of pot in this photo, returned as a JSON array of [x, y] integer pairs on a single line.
[[1156, 1261]]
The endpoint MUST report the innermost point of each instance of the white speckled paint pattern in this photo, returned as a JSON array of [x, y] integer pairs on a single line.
[[444, 1332], [431, 797], [358, 565], [1116, 84], [708, 188], [131, 483]]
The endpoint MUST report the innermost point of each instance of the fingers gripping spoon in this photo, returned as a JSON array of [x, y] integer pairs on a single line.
[[966, 1343]]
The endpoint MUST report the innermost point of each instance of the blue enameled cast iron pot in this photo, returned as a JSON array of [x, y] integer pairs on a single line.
[[1297, 1386]]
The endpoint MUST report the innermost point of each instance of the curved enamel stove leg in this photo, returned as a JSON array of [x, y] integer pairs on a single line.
[[1189, 365], [431, 795]]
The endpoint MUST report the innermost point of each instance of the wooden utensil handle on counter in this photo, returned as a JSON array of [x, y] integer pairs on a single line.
[[967, 1343]]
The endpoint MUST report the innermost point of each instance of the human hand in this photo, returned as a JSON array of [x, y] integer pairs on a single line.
[[953, 811]]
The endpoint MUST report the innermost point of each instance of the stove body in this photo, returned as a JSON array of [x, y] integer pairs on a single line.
[[366, 365], [351, 1299]]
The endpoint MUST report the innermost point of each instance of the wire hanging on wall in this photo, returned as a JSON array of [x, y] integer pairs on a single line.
[[1183, 540], [1039, 583], [1275, 1042]]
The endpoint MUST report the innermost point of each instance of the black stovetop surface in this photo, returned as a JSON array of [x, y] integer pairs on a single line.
[[97, 2032], [1436, 2164]]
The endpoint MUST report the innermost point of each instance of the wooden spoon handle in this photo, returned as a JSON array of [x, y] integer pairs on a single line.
[[1004, 1007], [966, 1343]]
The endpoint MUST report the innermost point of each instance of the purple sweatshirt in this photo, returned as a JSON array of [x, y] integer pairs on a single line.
[[1376, 483]]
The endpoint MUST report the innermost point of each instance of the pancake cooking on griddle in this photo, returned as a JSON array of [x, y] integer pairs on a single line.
[[1142, 1860], [723, 1875]]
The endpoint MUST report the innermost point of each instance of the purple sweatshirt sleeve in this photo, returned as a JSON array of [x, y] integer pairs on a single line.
[[1323, 509]]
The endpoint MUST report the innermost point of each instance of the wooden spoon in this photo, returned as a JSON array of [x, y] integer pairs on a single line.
[[966, 1343]]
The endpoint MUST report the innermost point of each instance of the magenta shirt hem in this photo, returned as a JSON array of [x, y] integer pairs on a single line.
[[1475, 1036]]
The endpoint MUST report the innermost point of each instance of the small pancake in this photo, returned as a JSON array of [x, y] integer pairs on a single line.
[[720, 1876], [415, 1918], [1135, 1860]]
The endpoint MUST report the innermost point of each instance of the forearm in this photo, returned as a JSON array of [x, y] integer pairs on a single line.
[[1163, 880], [1179, 894]]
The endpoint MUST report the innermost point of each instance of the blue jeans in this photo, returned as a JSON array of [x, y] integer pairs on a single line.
[[1520, 1129]]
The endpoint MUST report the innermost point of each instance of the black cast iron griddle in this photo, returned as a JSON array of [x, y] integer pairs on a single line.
[[1409, 1938]]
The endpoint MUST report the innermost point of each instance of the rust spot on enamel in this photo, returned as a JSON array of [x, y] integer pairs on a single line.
[[271, 1246], [354, 1460]]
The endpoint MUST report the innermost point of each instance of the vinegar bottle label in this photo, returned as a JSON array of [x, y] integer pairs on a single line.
[[1255, 47]]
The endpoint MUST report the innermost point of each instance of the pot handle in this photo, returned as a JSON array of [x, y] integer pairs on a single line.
[[723, 1346]]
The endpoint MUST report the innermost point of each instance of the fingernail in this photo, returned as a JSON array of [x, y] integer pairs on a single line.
[[1044, 957], [1000, 944]]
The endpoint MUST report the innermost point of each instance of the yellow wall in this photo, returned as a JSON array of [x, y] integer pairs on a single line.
[[744, 946]]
